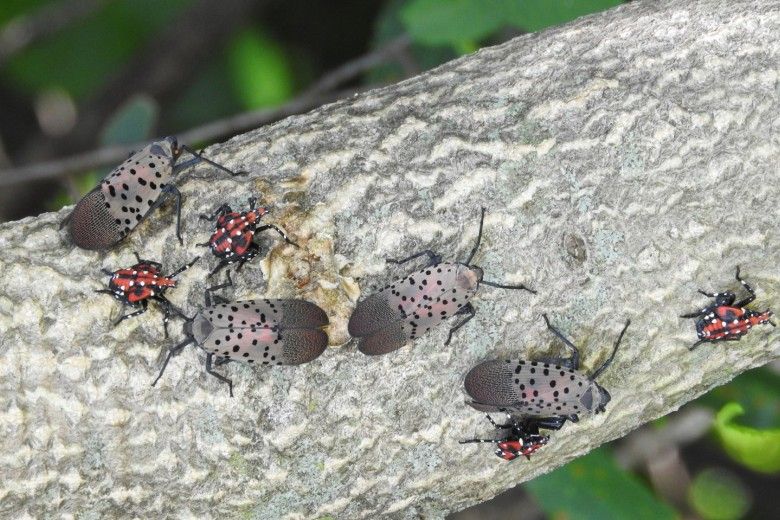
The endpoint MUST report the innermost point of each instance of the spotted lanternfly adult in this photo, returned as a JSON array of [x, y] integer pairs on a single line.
[[232, 240], [408, 308], [553, 389], [518, 437], [127, 195], [725, 320], [136, 285], [258, 332]]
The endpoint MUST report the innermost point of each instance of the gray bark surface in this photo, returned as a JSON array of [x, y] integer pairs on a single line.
[[626, 160]]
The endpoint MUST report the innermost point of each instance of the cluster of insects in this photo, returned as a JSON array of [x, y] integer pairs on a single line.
[[534, 395]]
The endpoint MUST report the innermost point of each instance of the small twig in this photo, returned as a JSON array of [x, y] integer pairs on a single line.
[[316, 95], [44, 22]]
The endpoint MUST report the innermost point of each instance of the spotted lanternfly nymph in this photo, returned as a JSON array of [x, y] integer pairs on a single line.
[[138, 186], [233, 239], [726, 320], [136, 285], [409, 308], [518, 437], [553, 389], [258, 332]]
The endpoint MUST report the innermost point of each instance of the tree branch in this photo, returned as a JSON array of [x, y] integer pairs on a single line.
[[620, 174]]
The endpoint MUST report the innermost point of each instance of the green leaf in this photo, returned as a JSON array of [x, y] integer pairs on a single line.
[[758, 391], [756, 449], [438, 22], [80, 58], [534, 15], [594, 488], [134, 121], [389, 27], [260, 70], [717, 495]]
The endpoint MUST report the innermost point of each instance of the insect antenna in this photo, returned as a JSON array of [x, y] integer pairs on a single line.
[[479, 238], [603, 367]]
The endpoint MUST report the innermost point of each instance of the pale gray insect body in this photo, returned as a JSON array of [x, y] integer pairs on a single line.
[[408, 308], [256, 332], [553, 389], [135, 188]]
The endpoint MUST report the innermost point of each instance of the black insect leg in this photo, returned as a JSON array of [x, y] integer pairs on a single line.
[[552, 423], [107, 272], [218, 376], [252, 203], [221, 265], [183, 268], [105, 291], [433, 258], [608, 362], [698, 313], [252, 251], [200, 158], [748, 288], [492, 441], [172, 351], [208, 291], [170, 191], [503, 286], [221, 361], [217, 213], [466, 309], [168, 309], [735, 338], [281, 233], [511, 424], [574, 361], [142, 303]]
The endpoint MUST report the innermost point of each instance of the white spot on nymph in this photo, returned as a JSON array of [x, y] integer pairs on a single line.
[[231, 221], [714, 321], [132, 283], [141, 284], [735, 321], [135, 272], [230, 240], [152, 293], [723, 323]]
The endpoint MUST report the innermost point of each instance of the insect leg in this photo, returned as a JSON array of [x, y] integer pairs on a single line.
[[501, 426], [550, 423], [281, 233], [748, 288], [217, 213], [574, 361], [479, 238], [105, 291], [222, 378], [170, 191], [172, 351], [199, 158], [183, 268], [143, 304], [208, 291], [698, 313], [503, 286], [466, 309], [468, 441], [433, 258]]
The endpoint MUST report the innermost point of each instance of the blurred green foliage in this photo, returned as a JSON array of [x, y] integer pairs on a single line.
[[260, 70], [593, 487], [81, 57], [718, 495], [453, 22]]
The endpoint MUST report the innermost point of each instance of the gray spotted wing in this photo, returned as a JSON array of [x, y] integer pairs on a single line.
[[267, 332], [410, 307], [133, 186], [526, 388]]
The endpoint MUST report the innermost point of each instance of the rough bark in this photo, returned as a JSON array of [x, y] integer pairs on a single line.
[[626, 160]]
